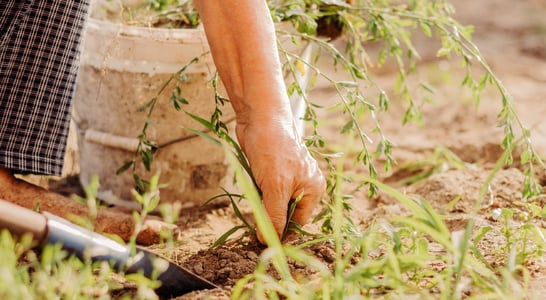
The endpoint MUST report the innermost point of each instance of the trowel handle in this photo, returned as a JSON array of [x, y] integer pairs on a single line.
[[50, 229], [19, 220]]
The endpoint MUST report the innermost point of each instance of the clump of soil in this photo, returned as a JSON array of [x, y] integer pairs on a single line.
[[226, 264], [231, 261]]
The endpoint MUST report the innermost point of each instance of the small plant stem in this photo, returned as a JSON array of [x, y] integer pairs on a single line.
[[463, 247], [365, 156], [337, 219], [264, 224]]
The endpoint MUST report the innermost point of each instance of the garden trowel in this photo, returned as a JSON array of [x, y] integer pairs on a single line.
[[50, 229]]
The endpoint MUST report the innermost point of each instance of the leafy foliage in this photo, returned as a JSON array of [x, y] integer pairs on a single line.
[[51, 273], [414, 255], [391, 25]]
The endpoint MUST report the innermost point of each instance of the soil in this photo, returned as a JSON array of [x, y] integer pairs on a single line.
[[513, 40]]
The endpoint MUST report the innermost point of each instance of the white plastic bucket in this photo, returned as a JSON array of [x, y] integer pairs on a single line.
[[122, 68]]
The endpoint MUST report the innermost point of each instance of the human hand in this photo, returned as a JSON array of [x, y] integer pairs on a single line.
[[283, 169], [242, 39]]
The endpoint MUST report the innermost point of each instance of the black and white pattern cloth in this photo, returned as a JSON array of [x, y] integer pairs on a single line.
[[39, 55]]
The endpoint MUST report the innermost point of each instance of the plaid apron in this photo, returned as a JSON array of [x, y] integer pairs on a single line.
[[39, 55]]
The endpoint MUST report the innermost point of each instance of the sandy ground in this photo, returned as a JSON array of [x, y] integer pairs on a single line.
[[512, 37]]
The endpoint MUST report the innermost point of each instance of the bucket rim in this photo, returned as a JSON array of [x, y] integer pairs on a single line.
[[195, 35]]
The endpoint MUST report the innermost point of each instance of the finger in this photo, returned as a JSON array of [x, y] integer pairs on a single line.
[[276, 206], [310, 199], [305, 208]]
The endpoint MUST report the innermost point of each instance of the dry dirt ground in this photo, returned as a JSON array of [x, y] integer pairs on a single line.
[[512, 37]]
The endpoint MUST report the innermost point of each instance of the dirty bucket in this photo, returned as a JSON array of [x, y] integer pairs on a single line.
[[122, 68]]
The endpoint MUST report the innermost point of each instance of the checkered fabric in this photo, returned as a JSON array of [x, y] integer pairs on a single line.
[[39, 55]]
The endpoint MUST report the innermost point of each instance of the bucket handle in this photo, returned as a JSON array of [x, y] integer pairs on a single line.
[[110, 140], [126, 143]]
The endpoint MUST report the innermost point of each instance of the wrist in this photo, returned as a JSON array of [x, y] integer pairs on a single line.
[[265, 114]]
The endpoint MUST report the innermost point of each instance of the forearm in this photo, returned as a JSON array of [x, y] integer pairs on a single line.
[[242, 39]]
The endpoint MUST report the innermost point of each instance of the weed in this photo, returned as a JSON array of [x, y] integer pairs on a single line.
[[396, 257], [441, 160], [52, 275]]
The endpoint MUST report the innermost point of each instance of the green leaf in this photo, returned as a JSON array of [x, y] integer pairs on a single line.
[[483, 81], [347, 84], [480, 234], [222, 239], [202, 121], [293, 87], [292, 205], [348, 126], [140, 185], [147, 104], [443, 52], [125, 167], [207, 136], [383, 101], [525, 157], [174, 103], [147, 158], [238, 212], [425, 27]]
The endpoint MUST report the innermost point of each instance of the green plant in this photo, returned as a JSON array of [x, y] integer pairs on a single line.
[[92, 204], [391, 25], [441, 160], [523, 241], [246, 225], [152, 13], [395, 259], [51, 273], [397, 256], [146, 148]]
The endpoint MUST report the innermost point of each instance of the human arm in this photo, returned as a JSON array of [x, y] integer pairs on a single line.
[[242, 39]]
